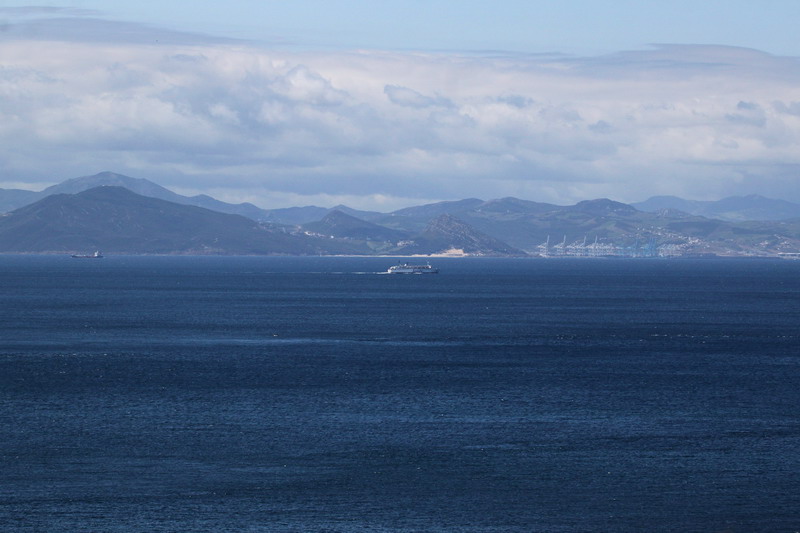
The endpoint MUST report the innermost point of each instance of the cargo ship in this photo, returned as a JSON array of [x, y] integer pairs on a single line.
[[96, 255]]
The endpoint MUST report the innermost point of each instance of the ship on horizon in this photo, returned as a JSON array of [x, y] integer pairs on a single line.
[[405, 268], [96, 255]]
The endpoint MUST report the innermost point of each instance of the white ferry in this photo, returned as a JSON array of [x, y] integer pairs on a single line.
[[405, 268]]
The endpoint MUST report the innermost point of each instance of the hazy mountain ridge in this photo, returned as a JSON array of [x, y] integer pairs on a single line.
[[342, 225], [11, 199], [443, 234], [447, 233], [505, 226], [114, 219], [752, 207]]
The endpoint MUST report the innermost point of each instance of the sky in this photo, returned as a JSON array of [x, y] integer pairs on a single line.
[[385, 104]]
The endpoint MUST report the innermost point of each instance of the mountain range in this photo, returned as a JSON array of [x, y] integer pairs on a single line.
[[731, 209], [114, 219], [11, 199], [116, 213]]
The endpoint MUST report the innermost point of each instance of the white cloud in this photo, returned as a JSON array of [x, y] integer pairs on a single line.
[[262, 124], [403, 96]]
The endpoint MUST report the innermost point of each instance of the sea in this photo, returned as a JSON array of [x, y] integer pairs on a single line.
[[318, 394]]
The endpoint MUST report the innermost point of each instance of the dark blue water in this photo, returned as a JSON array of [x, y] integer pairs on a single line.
[[306, 394]]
